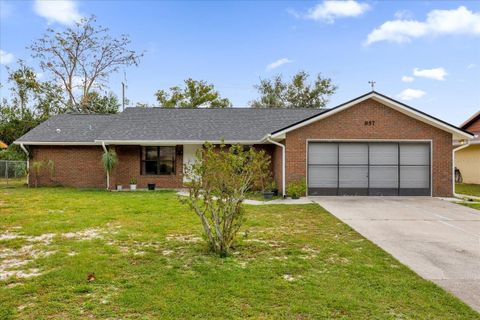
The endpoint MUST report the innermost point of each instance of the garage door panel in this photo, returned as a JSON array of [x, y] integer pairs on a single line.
[[353, 180], [383, 153], [353, 177], [384, 177], [322, 177], [353, 153], [414, 154], [323, 153], [414, 177]]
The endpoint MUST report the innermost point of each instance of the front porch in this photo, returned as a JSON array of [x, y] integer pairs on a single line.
[[164, 165]]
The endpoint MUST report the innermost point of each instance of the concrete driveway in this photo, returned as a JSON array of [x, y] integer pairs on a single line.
[[437, 239]]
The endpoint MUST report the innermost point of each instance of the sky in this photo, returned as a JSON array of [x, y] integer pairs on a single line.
[[423, 53]]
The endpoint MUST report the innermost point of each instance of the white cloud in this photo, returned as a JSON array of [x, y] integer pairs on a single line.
[[472, 66], [407, 79], [409, 94], [403, 14], [278, 63], [329, 10], [438, 22], [61, 11], [5, 57], [435, 74]]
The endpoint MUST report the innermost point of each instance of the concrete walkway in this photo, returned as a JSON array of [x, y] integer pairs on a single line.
[[302, 200], [437, 239]]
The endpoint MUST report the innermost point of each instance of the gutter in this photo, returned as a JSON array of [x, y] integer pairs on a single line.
[[108, 175], [463, 146], [268, 138], [104, 147], [28, 161]]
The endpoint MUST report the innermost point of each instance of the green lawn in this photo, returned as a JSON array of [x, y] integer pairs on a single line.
[[468, 189], [292, 262], [12, 182]]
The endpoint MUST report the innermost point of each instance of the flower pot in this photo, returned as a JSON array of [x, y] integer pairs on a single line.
[[267, 194], [119, 188], [133, 187], [151, 186]]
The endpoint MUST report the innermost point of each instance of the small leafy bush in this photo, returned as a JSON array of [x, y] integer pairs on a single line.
[[296, 188], [218, 182]]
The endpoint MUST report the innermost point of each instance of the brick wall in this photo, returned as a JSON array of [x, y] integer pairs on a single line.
[[81, 166], [74, 166], [129, 166], [389, 124], [474, 127]]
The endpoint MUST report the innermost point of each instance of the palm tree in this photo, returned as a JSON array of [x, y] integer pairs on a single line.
[[109, 161]]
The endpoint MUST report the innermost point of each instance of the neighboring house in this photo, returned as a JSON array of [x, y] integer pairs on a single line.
[[467, 157], [3, 145], [371, 145]]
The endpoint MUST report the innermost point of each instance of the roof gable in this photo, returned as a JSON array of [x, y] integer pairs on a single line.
[[457, 133], [473, 121]]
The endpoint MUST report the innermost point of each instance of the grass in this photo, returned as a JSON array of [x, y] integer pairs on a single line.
[[471, 190], [12, 182], [468, 189], [293, 262]]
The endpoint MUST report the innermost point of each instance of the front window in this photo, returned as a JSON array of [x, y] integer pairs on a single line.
[[158, 160]]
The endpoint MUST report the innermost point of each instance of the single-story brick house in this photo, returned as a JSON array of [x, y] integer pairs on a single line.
[[371, 145], [467, 156]]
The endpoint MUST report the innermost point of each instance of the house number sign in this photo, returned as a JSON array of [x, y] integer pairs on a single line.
[[369, 122]]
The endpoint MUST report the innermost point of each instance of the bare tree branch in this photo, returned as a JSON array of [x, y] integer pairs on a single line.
[[82, 58]]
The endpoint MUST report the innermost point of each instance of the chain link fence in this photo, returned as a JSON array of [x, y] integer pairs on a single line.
[[13, 172]]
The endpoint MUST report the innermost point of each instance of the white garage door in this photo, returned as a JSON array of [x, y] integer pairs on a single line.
[[373, 168]]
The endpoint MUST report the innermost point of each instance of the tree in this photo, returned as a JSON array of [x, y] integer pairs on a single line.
[[25, 85], [82, 58], [95, 103], [218, 181], [298, 93], [195, 94], [109, 161], [31, 102]]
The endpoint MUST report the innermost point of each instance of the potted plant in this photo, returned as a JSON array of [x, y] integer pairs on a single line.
[[133, 183], [296, 189], [119, 187], [268, 191], [151, 186]]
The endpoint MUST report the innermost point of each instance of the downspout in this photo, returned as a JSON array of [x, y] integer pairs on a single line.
[[283, 161], [463, 146], [108, 175], [28, 162]]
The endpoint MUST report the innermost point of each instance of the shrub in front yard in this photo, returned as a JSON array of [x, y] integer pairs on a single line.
[[296, 188], [218, 182]]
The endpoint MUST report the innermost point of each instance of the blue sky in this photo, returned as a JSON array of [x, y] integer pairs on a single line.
[[424, 53]]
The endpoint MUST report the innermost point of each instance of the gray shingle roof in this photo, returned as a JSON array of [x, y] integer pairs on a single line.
[[71, 128], [134, 124]]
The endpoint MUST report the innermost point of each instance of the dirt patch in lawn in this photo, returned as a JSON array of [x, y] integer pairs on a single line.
[[14, 261], [86, 234], [188, 238]]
